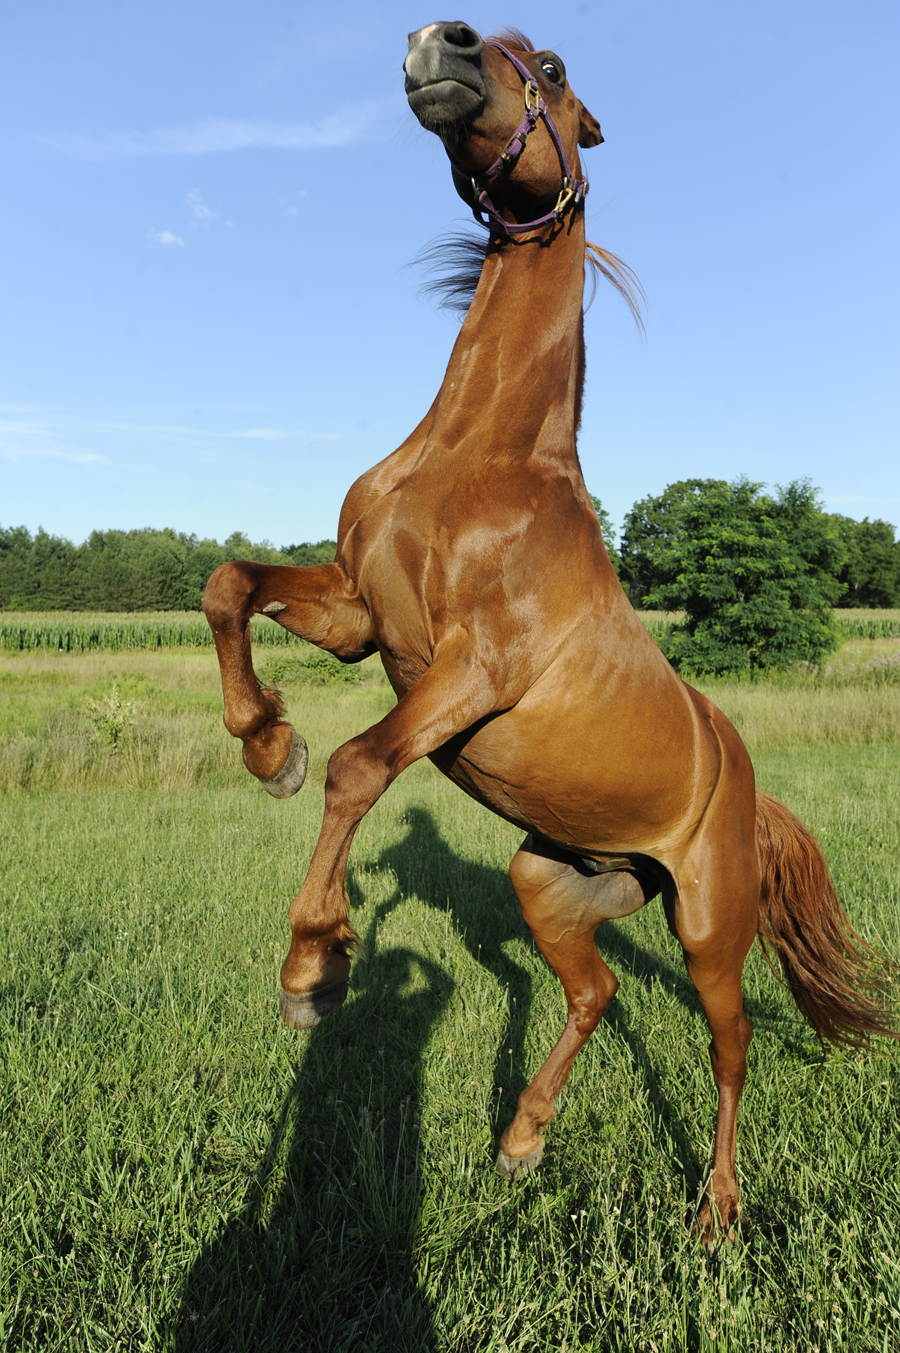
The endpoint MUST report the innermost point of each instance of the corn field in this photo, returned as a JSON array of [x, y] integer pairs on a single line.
[[80, 632], [76, 632]]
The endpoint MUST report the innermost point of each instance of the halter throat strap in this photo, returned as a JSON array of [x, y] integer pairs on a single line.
[[573, 190]]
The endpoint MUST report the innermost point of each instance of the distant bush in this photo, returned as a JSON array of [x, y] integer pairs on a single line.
[[312, 666], [755, 575], [870, 575]]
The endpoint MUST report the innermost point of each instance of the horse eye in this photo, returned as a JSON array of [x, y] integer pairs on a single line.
[[551, 70]]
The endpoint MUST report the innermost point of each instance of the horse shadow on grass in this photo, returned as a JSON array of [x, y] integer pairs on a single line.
[[320, 1255], [481, 899]]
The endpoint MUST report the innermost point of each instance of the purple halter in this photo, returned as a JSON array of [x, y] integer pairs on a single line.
[[572, 191]]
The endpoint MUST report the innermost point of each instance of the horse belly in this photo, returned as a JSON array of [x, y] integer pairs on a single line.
[[615, 776]]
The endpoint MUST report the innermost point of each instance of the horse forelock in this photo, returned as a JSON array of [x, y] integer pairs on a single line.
[[511, 37]]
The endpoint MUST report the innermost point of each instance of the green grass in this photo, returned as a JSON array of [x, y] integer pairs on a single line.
[[178, 1171]]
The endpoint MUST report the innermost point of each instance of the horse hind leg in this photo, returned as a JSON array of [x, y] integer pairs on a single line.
[[563, 903], [715, 940]]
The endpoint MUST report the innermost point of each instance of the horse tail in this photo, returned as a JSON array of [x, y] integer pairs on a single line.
[[839, 982]]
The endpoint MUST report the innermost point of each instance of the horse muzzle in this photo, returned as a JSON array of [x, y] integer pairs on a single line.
[[444, 84]]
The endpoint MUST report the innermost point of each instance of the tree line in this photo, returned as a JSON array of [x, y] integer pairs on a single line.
[[144, 570], [756, 573]]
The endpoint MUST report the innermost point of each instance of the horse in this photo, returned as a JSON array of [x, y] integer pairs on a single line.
[[471, 559]]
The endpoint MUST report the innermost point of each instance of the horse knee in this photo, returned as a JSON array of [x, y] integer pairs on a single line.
[[228, 594], [356, 777]]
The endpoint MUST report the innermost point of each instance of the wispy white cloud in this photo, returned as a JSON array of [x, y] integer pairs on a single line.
[[353, 124], [28, 433], [48, 453], [37, 438], [201, 214], [166, 237]]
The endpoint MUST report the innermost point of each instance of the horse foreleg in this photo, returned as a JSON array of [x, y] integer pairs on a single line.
[[318, 603], [563, 903], [450, 697]]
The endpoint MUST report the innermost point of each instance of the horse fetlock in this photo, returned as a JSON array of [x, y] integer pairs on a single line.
[[522, 1139], [718, 1217]]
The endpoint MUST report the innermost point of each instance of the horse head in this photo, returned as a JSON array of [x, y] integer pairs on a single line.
[[509, 121]]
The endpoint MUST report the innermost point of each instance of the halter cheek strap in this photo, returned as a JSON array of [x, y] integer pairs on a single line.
[[573, 190]]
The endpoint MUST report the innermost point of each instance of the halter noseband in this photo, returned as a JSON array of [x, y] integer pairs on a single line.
[[573, 190]]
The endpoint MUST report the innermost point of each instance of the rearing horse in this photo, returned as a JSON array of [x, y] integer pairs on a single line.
[[471, 559]]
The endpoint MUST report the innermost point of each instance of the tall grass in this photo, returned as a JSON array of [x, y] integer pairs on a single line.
[[173, 739]]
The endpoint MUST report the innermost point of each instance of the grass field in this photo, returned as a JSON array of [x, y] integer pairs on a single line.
[[178, 1171]]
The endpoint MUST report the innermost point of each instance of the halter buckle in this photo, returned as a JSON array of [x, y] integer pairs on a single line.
[[567, 194], [533, 100]]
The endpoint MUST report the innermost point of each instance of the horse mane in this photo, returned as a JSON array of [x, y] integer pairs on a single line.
[[618, 274], [456, 260]]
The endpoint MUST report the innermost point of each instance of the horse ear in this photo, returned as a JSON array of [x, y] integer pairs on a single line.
[[589, 132]]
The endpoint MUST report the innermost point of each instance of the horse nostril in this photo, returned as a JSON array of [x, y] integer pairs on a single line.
[[459, 35]]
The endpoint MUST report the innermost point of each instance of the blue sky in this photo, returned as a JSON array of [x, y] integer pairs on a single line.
[[208, 321]]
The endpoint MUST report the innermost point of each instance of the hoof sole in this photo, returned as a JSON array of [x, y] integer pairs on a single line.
[[516, 1167], [305, 1009], [292, 773]]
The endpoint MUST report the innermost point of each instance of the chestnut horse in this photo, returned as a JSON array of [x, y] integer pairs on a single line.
[[471, 559]]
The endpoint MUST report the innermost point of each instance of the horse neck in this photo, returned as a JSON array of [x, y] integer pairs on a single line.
[[513, 383]]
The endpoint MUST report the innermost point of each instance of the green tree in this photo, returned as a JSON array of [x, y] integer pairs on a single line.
[[609, 534], [652, 528], [322, 552], [871, 572], [35, 572], [138, 570], [756, 576]]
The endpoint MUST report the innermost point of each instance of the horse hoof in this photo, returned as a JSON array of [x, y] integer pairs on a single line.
[[304, 1009], [516, 1167], [292, 773], [712, 1230]]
